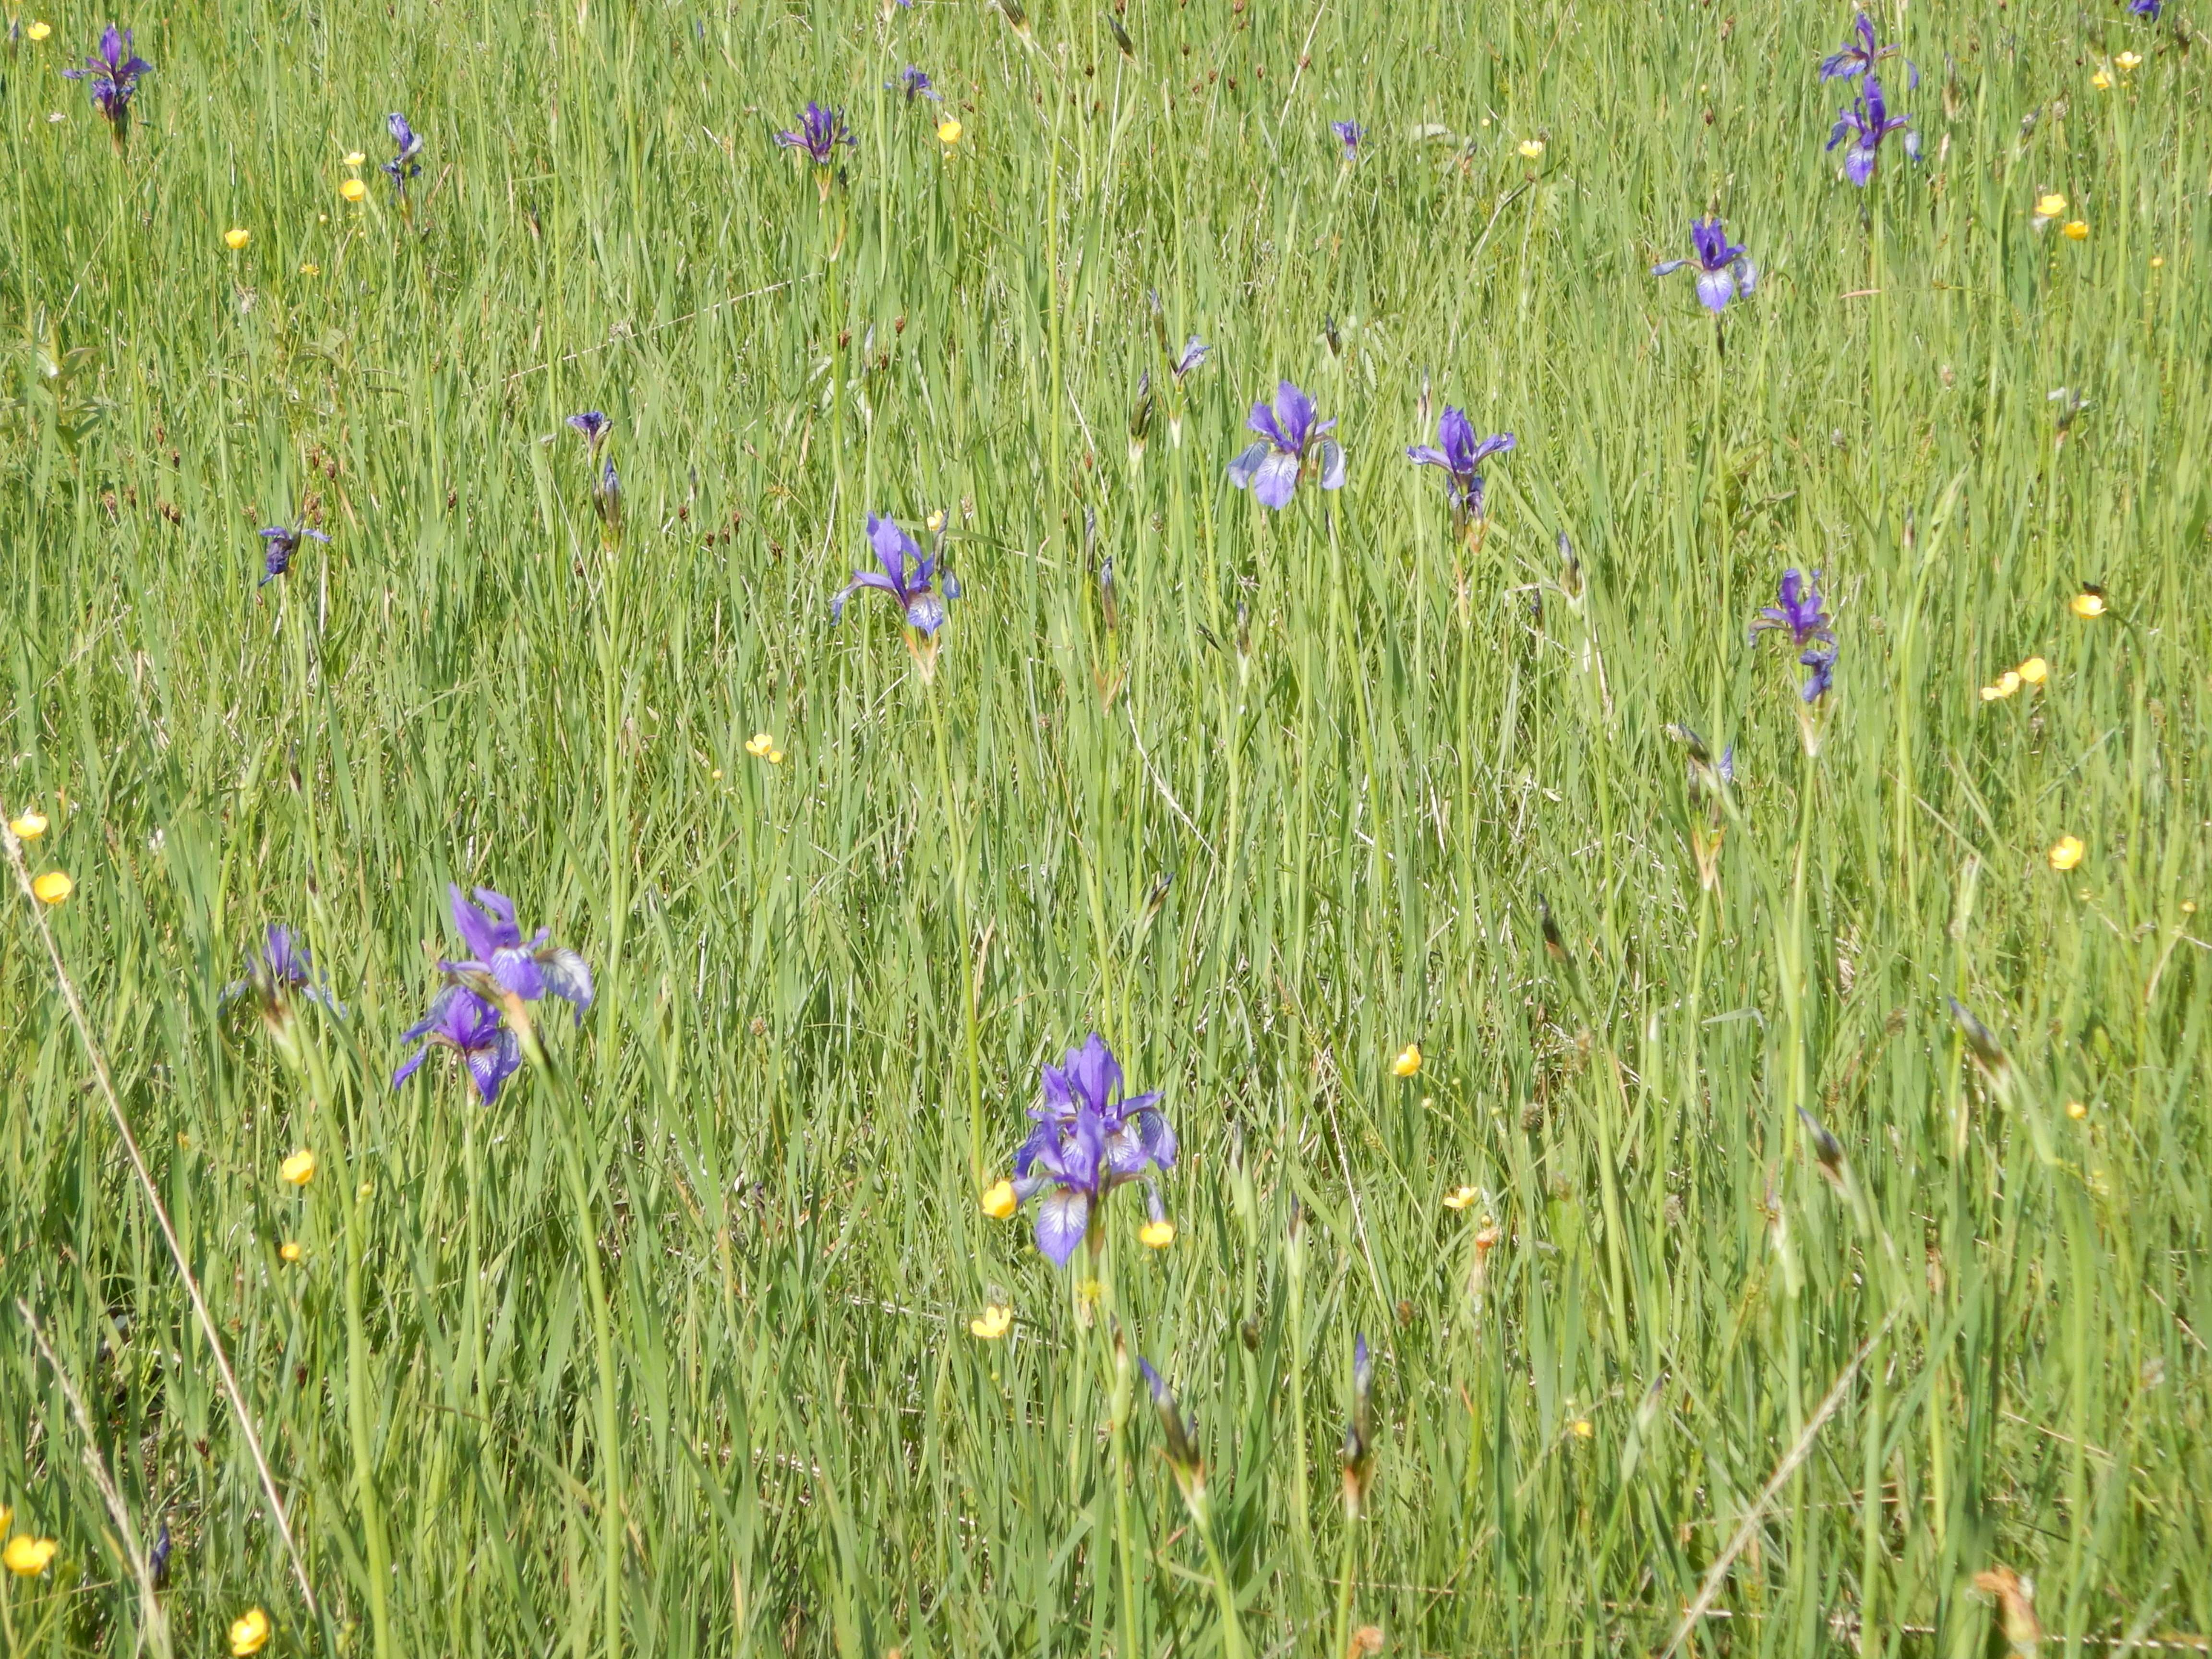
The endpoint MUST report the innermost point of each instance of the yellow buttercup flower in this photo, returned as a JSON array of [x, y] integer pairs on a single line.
[[1990, 694], [2158, 262], [2088, 605], [2008, 682], [994, 1322], [775, 758], [30, 826], [2067, 852], [311, 271], [2077, 1110], [2051, 204], [936, 520], [1582, 1429], [1531, 148], [998, 1201], [1460, 1197], [2075, 230], [299, 1169], [1157, 1234], [289, 1250], [2102, 81], [28, 1556], [249, 1633], [38, 31], [758, 744], [355, 158], [2128, 60], [353, 190], [948, 131], [1408, 1061], [53, 887], [236, 238], [2034, 671]]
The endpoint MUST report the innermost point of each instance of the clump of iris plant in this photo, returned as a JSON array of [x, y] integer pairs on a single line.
[[112, 72], [1859, 57], [1292, 445], [1800, 612], [1724, 269], [605, 483], [1089, 1139], [464, 1022], [1459, 455], [910, 578], [818, 133], [280, 545], [405, 164], [1348, 133], [1866, 121]]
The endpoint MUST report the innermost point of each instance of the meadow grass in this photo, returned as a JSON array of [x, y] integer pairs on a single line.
[[668, 1352]]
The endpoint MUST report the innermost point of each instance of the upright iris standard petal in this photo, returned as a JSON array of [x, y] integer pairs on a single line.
[[464, 1022], [1291, 445], [1798, 609], [592, 426], [502, 963]]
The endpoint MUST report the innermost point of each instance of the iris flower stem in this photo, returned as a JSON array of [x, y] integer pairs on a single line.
[[968, 970], [360, 1442], [1310, 1569], [1345, 1560], [1232, 1634], [603, 1339], [1117, 1374]]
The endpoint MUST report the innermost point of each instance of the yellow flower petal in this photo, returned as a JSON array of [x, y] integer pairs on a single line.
[[2102, 81], [2076, 230], [236, 238], [1460, 1197], [2009, 682], [355, 158], [28, 1556], [2067, 852], [38, 31], [2128, 60], [299, 1169], [311, 271], [2034, 671], [30, 826], [948, 131], [1408, 1060], [759, 744], [775, 758], [2077, 1110], [994, 1323], [998, 1201], [1531, 148], [2051, 204], [1990, 694], [289, 1250], [1157, 1234], [249, 1633], [53, 887], [1582, 1428], [353, 190], [2089, 603]]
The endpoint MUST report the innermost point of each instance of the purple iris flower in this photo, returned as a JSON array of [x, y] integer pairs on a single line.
[[1459, 452], [113, 71], [461, 1020], [2146, 9], [593, 426], [1869, 122], [283, 546], [1800, 612], [1859, 58], [1293, 443], [1348, 133], [1192, 354], [276, 970], [1089, 1140], [501, 962], [905, 576], [818, 133], [914, 83], [1725, 271], [606, 497], [403, 165]]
